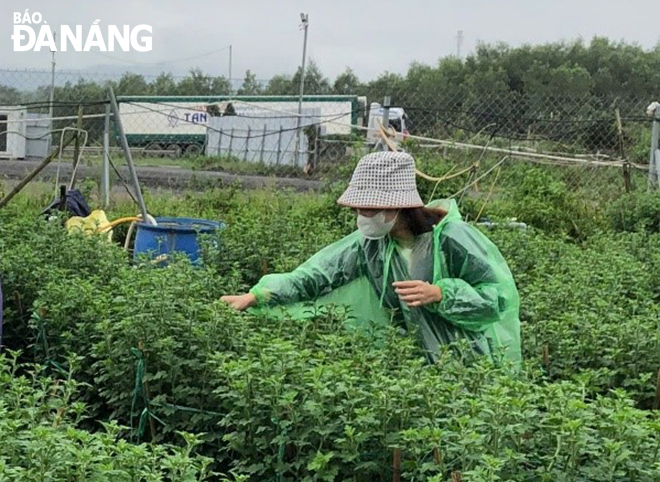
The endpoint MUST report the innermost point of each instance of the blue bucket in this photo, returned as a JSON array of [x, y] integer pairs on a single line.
[[172, 235]]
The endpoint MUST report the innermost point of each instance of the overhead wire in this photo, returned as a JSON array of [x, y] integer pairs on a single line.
[[121, 178], [163, 62]]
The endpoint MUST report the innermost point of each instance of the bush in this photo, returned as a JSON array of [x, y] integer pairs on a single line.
[[638, 211], [325, 407], [315, 400], [34, 252], [546, 202], [592, 308], [41, 441]]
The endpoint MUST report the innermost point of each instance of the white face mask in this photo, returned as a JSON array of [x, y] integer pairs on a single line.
[[375, 227]]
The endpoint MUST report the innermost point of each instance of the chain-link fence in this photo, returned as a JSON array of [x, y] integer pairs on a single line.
[[208, 123]]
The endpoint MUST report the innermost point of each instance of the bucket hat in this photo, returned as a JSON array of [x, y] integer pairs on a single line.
[[384, 180]]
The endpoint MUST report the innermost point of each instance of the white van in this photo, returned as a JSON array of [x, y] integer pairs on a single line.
[[397, 119]]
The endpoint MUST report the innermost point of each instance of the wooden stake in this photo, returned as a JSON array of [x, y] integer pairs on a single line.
[[19, 187], [76, 147], [437, 456], [152, 427], [626, 165], [656, 402], [62, 206], [396, 466], [17, 300], [475, 166], [546, 356], [456, 476]]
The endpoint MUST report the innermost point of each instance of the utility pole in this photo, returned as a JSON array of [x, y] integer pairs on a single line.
[[231, 86], [459, 43], [52, 94], [305, 24]]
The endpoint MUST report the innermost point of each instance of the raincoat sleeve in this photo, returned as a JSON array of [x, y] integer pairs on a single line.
[[475, 291], [330, 268]]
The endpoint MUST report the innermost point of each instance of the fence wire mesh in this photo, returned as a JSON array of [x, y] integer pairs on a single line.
[[595, 145]]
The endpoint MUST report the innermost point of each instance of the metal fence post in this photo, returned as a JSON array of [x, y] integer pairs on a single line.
[[247, 143], [219, 153], [105, 171], [231, 141], [386, 121], [279, 147], [263, 145], [129, 157], [653, 161]]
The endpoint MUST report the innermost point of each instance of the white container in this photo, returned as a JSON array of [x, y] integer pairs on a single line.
[[12, 132]]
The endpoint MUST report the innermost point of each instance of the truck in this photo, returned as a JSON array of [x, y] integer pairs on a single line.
[[178, 124], [397, 120]]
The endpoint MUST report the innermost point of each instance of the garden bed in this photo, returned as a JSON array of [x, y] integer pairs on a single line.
[[157, 353]]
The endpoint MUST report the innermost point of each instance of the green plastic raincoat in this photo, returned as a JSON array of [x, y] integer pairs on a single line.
[[479, 297]]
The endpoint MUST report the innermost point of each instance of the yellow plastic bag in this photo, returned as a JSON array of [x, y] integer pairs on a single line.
[[97, 222]]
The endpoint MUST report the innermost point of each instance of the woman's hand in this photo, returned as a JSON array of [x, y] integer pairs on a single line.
[[240, 302], [417, 293]]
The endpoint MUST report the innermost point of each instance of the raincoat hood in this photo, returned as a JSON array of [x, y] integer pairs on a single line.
[[446, 205]]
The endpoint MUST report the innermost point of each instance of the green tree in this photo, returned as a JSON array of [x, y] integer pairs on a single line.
[[346, 83], [250, 85], [132, 84], [280, 85], [164, 84], [220, 86], [9, 95], [315, 81], [386, 84], [198, 83]]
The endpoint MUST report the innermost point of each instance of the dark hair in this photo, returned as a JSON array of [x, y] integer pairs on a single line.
[[422, 220]]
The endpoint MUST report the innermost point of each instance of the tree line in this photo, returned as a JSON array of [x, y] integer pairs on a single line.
[[518, 91]]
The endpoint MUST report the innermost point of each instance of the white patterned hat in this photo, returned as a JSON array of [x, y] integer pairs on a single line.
[[384, 180]]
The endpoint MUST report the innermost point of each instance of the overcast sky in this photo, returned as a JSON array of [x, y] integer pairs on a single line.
[[368, 36]]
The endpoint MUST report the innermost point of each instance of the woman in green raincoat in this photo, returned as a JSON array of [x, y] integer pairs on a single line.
[[435, 272]]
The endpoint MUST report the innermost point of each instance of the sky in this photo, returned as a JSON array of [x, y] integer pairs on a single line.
[[370, 37]]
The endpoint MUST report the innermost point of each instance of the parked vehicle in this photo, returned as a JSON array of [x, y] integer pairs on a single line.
[[397, 120], [179, 123]]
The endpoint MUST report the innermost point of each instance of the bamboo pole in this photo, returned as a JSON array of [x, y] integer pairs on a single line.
[[396, 466], [152, 426], [546, 356], [626, 165], [656, 402], [19, 187], [76, 148]]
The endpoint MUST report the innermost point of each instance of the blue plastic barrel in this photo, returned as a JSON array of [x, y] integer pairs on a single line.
[[172, 235]]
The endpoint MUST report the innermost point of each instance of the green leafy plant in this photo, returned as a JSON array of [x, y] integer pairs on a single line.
[[155, 352], [39, 420]]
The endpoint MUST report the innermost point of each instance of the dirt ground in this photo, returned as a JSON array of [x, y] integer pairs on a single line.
[[167, 177]]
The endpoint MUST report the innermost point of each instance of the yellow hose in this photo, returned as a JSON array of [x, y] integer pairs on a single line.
[[385, 134], [117, 222]]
